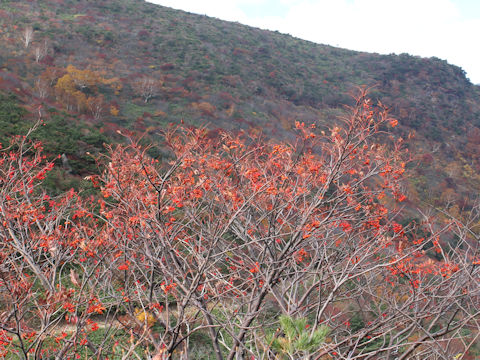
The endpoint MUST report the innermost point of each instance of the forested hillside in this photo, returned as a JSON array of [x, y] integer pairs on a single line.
[[116, 91], [110, 65]]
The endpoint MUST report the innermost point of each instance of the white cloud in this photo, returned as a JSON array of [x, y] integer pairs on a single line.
[[418, 27]]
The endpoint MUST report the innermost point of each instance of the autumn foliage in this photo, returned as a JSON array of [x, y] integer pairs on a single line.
[[226, 236]]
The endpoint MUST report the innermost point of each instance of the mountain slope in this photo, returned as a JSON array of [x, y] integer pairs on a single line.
[[226, 75]]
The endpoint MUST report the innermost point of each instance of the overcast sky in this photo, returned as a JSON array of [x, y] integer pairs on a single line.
[[447, 29]]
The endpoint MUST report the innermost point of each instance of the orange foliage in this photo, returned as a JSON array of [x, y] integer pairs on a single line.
[[205, 107], [224, 226]]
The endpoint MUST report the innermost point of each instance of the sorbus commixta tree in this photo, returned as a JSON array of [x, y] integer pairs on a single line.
[[232, 232], [49, 269], [272, 250]]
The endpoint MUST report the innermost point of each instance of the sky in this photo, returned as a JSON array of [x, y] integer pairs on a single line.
[[447, 29]]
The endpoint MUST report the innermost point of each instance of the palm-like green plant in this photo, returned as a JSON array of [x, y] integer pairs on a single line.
[[295, 339]]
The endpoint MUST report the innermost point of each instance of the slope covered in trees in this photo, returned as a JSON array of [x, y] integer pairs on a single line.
[[329, 212], [133, 66]]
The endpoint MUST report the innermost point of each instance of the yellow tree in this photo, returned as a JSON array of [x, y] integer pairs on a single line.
[[67, 92], [83, 78], [65, 89], [71, 89]]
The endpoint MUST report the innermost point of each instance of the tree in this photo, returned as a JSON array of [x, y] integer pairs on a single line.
[[205, 107], [147, 87], [67, 92], [270, 250], [41, 50], [232, 227], [42, 87], [83, 79], [296, 341], [51, 75], [77, 88], [27, 36], [72, 87], [46, 274], [95, 106]]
